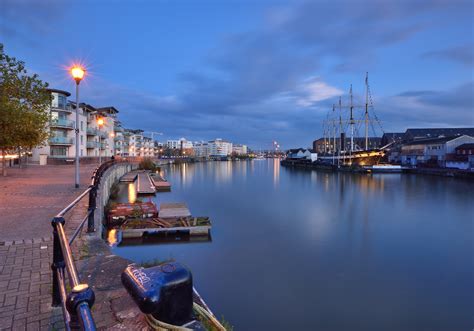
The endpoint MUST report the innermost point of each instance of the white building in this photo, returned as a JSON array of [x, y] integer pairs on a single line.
[[135, 144], [62, 123], [219, 148], [434, 151], [239, 149], [201, 149], [181, 143]]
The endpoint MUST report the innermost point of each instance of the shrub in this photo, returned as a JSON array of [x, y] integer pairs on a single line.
[[147, 164]]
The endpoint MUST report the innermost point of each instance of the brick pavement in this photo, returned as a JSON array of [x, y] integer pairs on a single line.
[[26, 254], [29, 198]]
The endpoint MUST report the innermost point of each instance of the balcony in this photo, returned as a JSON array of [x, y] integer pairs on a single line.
[[62, 107], [60, 141], [103, 134], [92, 131], [92, 144], [62, 123], [119, 138], [103, 146], [118, 129]]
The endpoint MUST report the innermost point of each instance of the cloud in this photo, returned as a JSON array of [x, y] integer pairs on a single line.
[[253, 86], [430, 108], [315, 90], [460, 54]]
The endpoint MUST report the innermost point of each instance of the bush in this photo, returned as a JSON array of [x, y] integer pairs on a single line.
[[147, 164]]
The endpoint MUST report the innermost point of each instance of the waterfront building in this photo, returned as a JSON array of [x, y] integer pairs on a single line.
[[432, 151], [135, 142], [239, 149], [62, 123], [427, 133], [219, 148], [181, 143], [119, 140], [201, 149], [302, 154]]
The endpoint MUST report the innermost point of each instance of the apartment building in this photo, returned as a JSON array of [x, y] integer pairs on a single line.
[[201, 149], [181, 143], [96, 138], [62, 124], [219, 148], [239, 149]]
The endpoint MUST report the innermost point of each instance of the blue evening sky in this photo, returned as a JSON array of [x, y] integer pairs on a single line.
[[253, 71]]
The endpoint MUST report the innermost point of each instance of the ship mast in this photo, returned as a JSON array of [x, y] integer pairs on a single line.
[[334, 132], [367, 111], [352, 122], [342, 141]]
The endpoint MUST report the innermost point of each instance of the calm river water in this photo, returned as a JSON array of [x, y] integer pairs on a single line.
[[305, 250]]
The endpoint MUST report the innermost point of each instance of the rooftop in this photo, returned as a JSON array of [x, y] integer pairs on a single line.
[[53, 90]]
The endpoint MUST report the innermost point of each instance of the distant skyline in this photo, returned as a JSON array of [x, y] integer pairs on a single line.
[[253, 71]]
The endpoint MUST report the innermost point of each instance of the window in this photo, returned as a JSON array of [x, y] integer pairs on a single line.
[[62, 101], [82, 126], [82, 140], [57, 151]]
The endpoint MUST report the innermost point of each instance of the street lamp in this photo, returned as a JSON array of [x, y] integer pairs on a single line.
[[112, 135], [77, 73], [100, 123]]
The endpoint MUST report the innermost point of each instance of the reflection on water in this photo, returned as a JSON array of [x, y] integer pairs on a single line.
[[276, 171], [132, 193], [333, 251]]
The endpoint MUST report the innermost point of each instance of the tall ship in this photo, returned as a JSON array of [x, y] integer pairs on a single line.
[[351, 133]]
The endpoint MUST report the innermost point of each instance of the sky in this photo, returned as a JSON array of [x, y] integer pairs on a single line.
[[254, 72]]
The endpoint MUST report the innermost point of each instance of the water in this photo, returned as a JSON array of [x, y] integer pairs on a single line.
[[305, 250]]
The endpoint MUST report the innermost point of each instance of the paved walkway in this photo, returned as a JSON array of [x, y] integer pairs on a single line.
[[29, 198]]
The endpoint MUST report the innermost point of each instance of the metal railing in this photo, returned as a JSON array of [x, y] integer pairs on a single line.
[[92, 144], [92, 131], [60, 141], [77, 304], [61, 122]]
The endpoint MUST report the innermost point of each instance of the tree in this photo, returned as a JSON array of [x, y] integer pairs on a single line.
[[24, 104]]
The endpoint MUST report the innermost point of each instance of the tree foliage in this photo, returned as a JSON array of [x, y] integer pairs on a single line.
[[24, 104]]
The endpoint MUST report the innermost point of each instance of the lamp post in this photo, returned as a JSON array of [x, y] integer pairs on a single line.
[[112, 135], [100, 123], [77, 73]]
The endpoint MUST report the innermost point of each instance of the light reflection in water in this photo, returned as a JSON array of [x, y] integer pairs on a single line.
[[341, 240], [112, 237], [276, 171], [132, 193]]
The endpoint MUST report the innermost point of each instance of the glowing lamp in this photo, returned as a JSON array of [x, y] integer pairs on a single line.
[[112, 135], [77, 73], [100, 121]]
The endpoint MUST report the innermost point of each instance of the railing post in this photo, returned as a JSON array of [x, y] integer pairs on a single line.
[[79, 303], [58, 260], [91, 209]]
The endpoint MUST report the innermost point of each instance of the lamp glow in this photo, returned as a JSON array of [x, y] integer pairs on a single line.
[[77, 73], [100, 121]]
